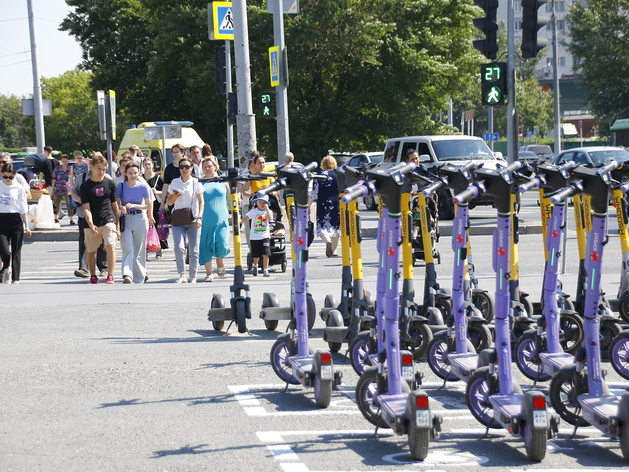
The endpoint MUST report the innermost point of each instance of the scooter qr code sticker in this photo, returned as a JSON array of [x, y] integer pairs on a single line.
[[540, 419], [422, 418], [326, 372], [407, 373]]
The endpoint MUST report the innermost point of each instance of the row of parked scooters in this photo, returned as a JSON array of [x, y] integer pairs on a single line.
[[555, 340]]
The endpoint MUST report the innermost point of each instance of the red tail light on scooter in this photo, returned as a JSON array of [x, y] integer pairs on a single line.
[[422, 401], [539, 402], [407, 359], [326, 358]]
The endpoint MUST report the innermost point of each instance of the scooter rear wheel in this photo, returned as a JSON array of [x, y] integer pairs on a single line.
[[322, 392], [623, 310], [312, 311], [534, 442], [418, 442], [485, 304], [619, 354], [334, 320], [421, 335], [624, 440], [563, 397], [608, 332], [524, 352], [571, 326], [280, 351], [477, 396], [359, 351], [218, 302], [479, 335], [270, 300]]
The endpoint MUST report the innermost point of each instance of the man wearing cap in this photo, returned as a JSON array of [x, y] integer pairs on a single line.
[[260, 233]]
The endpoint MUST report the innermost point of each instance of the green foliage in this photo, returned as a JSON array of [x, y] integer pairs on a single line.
[[13, 132], [74, 121], [599, 41]]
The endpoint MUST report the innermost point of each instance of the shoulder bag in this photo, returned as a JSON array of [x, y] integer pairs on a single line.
[[120, 216], [183, 216]]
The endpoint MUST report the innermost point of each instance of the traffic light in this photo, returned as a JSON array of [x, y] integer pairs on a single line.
[[267, 105], [493, 83], [489, 26], [232, 107], [221, 70], [531, 23]]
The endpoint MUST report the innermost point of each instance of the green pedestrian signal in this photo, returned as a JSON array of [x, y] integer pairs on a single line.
[[493, 84], [267, 105]]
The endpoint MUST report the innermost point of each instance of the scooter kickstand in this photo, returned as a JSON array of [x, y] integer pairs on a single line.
[[574, 433], [375, 433], [229, 326]]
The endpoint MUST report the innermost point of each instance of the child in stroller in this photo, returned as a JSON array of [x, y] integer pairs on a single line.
[[433, 227], [277, 239]]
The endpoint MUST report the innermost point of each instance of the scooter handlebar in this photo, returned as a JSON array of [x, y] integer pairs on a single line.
[[514, 166], [433, 187], [531, 184], [355, 191], [404, 167], [266, 175], [567, 192], [611, 165], [469, 193], [312, 166], [353, 171], [274, 187], [624, 188]]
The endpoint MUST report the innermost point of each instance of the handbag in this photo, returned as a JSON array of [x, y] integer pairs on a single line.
[[182, 216], [152, 241], [162, 226], [121, 217]]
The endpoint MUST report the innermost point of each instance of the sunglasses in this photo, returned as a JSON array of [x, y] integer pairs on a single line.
[[9, 177], [185, 167]]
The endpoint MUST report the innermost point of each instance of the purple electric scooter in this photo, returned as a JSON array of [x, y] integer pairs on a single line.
[[291, 358], [382, 393], [581, 396], [492, 389]]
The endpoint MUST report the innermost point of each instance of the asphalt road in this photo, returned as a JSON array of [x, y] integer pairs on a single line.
[[128, 377]]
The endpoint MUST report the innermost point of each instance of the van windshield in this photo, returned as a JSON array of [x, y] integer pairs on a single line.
[[462, 150]]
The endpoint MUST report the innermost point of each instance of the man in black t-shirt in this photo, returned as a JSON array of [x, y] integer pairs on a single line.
[[98, 196], [47, 167]]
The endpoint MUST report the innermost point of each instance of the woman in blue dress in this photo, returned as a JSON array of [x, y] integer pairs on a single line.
[[326, 194], [215, 228]]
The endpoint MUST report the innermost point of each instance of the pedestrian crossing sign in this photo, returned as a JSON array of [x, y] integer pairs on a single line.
[[274, 65], [222, 20]]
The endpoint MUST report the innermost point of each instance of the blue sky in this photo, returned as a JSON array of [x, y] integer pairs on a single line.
[[57, 51]]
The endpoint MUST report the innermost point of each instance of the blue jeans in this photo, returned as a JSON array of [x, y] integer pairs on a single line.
[[193, 236]]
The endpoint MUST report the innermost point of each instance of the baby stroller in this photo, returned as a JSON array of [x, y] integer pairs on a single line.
[[277, 239], [433, 227]]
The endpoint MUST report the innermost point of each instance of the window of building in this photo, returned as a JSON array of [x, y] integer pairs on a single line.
[[562, 62], [560, 6], [517, 6], [518, 25], [549, 7], [561, 25]]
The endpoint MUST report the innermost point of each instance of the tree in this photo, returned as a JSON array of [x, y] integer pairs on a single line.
[[599, 43], [13, 132], [74, 121]]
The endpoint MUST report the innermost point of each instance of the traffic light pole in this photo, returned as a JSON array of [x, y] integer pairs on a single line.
[[281, 97], [245, 120], [511, 137], [228, 88], [556, 94]]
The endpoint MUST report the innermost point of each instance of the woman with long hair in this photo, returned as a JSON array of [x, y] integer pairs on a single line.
[[13, 224]]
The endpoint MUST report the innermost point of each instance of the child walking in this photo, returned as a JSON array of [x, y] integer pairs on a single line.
[[260, 234]]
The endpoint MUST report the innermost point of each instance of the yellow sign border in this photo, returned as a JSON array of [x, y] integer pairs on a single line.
[[277, 49], [215, 6]]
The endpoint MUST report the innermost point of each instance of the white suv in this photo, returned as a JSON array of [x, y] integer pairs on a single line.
[[456, 149]]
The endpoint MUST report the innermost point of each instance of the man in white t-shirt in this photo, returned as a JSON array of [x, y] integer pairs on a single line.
[[5, 158]]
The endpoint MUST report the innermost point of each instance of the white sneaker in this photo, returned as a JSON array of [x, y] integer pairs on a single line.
[[182, 279], [266, 273], [6, 277], [193, 281]]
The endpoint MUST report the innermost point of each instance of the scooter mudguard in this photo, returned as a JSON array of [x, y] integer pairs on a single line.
[[476, 319], [418, 413], [484, 357], [434, 316], [322, 365], [539, 418]]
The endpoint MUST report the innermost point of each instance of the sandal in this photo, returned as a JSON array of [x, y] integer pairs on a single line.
[[220, 271], [209, 278]]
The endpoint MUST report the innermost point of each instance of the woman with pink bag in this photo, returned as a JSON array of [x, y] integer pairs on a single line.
[[156, 184]]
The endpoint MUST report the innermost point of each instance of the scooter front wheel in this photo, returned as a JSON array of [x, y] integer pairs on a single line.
[[335, 320], [563, 397], [421, 335], [217, 302], [485, 304], [366, 392], [241, 316], [280, 352], [619, 354], [359, 351], [477, 396], [270, 300], [524, 353], [311, 310], [438, 359], [418, 442], [322, 392], [534, 441]]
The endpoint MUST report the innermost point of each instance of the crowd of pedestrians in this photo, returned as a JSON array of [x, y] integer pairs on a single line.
[[123, 208]]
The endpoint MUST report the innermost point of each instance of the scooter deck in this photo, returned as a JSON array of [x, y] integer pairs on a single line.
[[463, 365], [392, 407], [599, 411], [506, 407], [302, 366], [552, 362], [272, 313], [220, 314]]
